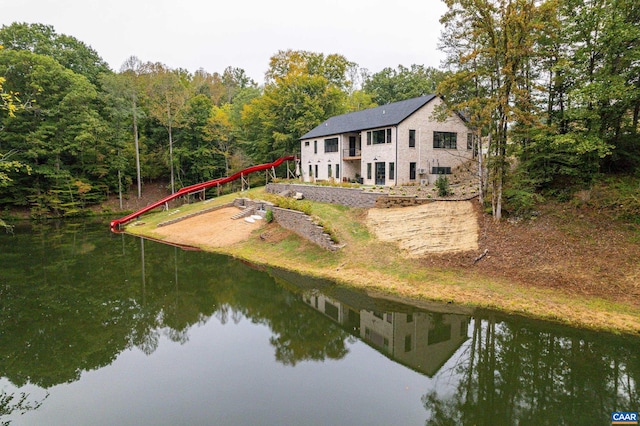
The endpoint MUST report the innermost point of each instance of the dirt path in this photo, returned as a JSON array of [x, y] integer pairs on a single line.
[[438, 227], [213, 229]]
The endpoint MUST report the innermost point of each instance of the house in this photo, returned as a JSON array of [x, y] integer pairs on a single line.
[[423, 341], [394, 144]]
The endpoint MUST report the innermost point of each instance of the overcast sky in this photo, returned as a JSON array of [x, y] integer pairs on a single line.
[[212, 34]]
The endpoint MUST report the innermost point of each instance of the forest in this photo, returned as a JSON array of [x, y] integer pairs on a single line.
[[550, 88]]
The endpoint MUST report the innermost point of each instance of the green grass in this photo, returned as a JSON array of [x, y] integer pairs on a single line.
[[370, 264]]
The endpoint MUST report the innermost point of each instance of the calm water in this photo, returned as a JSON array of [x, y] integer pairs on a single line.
[[105, 329]]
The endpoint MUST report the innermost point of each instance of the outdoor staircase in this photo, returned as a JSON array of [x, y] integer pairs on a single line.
[[248, 211]]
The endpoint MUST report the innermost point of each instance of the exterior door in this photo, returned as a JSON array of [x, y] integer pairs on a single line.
[[380, 173], [352, 146]]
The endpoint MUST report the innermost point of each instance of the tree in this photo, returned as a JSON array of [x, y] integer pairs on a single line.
[[286, 111], [234, 80], [490, 50], [126, 86], [166, 95], [68, 51], [196, 152], [390, 85], [303, 89], [59, 136], [220, 132], [334, 68]]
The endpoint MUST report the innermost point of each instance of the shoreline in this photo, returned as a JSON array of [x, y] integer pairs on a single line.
[[383, 269]]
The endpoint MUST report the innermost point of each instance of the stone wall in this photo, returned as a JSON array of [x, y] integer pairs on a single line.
[[351, 197], [304, 226], [292, 220]]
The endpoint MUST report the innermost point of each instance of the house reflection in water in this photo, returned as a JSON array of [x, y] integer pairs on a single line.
[[423, 341]]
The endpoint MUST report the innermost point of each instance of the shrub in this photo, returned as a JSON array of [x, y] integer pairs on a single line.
[[442, 183], [269, 216]]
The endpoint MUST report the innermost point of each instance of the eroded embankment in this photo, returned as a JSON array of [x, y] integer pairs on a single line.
[[438, 227]]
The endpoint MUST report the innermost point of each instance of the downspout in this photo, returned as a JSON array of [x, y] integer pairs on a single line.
[[340, 154], [419, 144], [395, 167]]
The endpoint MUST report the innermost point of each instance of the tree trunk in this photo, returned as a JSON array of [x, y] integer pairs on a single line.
[[480, 170], [137, 147], [173, 189]]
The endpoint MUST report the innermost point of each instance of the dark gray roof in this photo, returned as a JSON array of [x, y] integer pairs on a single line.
[[382, 116]]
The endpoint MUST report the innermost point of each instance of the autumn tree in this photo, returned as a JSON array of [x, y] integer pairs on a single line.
[[166, 96], [489, 46], [59, 136], [303, 88]]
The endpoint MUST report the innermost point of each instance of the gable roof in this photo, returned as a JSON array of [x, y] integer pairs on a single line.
[[382, 116]]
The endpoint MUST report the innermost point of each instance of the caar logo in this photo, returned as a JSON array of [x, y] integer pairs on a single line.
[[624, 418]]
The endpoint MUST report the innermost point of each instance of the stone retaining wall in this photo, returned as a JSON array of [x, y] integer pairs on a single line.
[[351, 197], [304, 226], [355, 197], [295, 221]]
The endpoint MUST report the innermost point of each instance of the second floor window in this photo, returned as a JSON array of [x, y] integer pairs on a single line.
[[331, 145], [446, 140], [412, 138], [379, 136]]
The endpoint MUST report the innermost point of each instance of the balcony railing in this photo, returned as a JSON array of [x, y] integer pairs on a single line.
[[351, 153]]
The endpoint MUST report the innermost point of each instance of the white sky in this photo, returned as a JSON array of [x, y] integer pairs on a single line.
[[212, 34]]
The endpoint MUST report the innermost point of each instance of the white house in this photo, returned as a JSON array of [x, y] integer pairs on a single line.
[[394, 144]]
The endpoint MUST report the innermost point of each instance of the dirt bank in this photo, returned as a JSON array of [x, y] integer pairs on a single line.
[[438, 227]]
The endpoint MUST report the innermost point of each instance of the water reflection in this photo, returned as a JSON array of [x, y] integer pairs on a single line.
[[422, 341], [74, 297]]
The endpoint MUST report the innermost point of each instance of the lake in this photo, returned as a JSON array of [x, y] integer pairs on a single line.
[[99, 328]]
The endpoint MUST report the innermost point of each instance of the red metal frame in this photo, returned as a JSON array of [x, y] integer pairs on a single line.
[[198, 187]]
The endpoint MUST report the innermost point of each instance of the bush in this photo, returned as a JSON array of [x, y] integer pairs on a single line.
[[442, 183], [521, 202], [268, 216]]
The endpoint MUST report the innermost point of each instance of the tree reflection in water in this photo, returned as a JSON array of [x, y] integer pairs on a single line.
[[523, 372], [72, 300]]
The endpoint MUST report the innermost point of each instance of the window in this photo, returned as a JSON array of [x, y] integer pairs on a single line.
[[331, 310], [329, 172], [379, 136], [469, 140], [441, 170], [407, 343], [412, 171], [331, 145], [446, 140], [440, 332], [412, 138], [315, 147], [368, 170], [306, 143], [409, 317], [337, 171], [310, 171], [316, 170], [392, 171]]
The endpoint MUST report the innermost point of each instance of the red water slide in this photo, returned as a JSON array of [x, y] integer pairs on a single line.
[[198, 187]]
